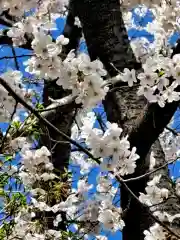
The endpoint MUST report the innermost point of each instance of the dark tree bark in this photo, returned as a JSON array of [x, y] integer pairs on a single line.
[[61, 120], [107, 39]]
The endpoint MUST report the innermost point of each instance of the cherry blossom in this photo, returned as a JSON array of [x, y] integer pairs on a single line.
[[129, 76], [154, 194], [155, 232], [157, 82]]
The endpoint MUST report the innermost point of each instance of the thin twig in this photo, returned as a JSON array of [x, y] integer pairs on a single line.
[[9, 127], [146, 208], [15, 58], [172, 130], [149, 173], [20, 56]]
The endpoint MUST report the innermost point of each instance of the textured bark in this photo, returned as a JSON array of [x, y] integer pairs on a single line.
[[107, 39], [55, 143], [172, 205], [105, 32], [136, 218], [62, 120]]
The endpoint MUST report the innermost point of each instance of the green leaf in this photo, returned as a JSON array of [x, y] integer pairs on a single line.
[[16, 124], [39, 106], [8, 158]]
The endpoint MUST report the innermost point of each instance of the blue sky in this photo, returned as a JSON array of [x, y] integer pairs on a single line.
[[133, 33]]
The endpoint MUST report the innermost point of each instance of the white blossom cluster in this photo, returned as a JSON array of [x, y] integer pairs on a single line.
[[7, 102], [155, 232], [155, 82], [84, 77], [152, 198], [170, 144], [42, 16], [164, 24], [96, 212], [35, 171], [78, 74], [90, 215], [112, 150], [151, 4], [17, 8], [154, 194], [167, 15], [36, 165], [129, 4], [46, 63], [142, 48], [39, 8]]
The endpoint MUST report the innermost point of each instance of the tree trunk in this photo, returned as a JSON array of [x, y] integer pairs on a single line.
[[107, 39], [59, 148], [61, 120]]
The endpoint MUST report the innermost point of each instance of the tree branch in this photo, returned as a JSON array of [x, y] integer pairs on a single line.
[[152, 123], [12, 57], [172, 130], [150, 126], [107, 39], [5, 22], [71, 31], [145, 208], [42, 119], [149, 173], [4, 39]]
